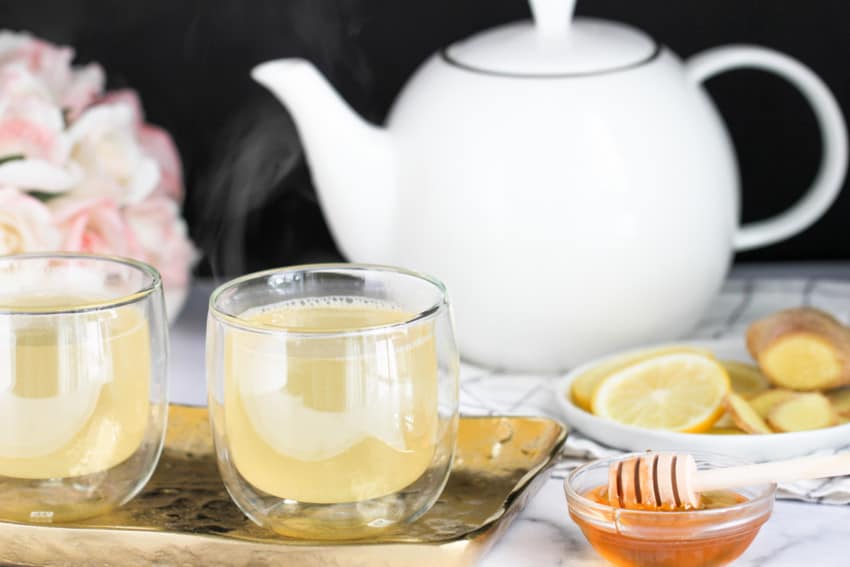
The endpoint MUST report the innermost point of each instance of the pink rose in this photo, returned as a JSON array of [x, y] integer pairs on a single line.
[[19, 136], [85, 86], [31, 126], [25, 224], [156, 142], [30, 122], [163, 238], [128, 98], [72, 88], [94, 225]]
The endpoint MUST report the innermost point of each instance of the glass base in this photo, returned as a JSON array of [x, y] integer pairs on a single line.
[[69, 499], [342, 520]]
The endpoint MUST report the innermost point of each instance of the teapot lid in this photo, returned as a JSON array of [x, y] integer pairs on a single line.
[[553, 45]]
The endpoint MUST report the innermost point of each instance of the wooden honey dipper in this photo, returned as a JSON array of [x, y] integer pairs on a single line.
[[670, 481]]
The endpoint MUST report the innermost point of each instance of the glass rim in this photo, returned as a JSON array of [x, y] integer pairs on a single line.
[[143, 292], [240, 323], [766, 494]]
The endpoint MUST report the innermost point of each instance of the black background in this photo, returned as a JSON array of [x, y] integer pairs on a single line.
[[250, 202]]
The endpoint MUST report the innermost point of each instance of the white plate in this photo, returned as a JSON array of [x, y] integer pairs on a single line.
[[753, 447]]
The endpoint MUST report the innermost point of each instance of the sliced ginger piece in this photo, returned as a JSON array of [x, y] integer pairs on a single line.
[[725, 426], [584, 385], [840, 400], [744, 416], [801, 349], [768, 400], [725, 421], [747, 380], [802, 413]]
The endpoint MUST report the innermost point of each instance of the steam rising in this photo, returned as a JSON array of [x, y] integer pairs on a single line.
[[255, 153], [253, 205]]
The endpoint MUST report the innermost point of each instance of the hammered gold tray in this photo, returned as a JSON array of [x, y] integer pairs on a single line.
[[185, 517]]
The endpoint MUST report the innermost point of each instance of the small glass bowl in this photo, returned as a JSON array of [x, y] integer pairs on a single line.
[[666, 539]]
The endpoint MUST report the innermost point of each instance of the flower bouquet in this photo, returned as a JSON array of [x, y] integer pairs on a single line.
[[81, 170]]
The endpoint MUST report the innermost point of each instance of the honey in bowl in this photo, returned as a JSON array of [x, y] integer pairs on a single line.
[[709, 500], [715, 533], [623, 550]]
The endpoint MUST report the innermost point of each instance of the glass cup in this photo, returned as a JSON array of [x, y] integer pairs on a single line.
[[333, 397], [83, 353]]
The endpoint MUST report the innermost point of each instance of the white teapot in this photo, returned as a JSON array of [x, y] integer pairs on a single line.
[[570, 181]]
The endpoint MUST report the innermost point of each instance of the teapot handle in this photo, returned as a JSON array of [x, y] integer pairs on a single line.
[[833, 131]]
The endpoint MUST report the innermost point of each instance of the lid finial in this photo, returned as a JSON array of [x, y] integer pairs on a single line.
[[552, 17]]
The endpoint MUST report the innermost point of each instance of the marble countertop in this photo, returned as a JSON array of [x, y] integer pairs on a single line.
[[797, 533]]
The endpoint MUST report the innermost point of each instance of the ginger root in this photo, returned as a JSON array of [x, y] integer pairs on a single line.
[[801, 349]]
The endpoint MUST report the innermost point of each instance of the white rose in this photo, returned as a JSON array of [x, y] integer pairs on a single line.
[[26, 225], [104, 145], [37, 175]]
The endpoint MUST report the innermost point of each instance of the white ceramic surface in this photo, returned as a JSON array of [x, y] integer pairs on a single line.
[[755, 447], [577, 179], [553, 44]]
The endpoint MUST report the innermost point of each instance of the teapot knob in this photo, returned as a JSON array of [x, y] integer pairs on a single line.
[[552, 17]]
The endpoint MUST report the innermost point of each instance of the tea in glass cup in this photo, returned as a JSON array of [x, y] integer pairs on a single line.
[[83, 352], [333, 397]]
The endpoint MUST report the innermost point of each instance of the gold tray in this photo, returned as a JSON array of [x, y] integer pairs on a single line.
[[185, 517]]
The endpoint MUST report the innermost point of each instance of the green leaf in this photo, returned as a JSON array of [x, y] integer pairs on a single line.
[[13, 157], [42, 196]]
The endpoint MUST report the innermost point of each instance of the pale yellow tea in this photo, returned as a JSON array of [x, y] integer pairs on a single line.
[[73, 388], [330, 419]]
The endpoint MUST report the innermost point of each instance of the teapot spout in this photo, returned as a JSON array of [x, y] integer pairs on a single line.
[[351, 161]]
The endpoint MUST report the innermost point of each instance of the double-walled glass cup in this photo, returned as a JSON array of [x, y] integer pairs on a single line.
[[83, 353], [333, 397]]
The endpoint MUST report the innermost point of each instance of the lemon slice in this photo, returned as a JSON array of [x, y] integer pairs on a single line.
[[585, 384], [675, 392]]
